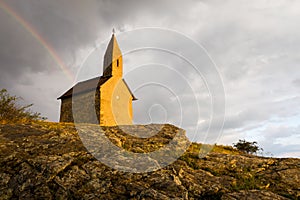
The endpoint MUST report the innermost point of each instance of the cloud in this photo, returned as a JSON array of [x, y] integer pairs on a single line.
[[296, 83]]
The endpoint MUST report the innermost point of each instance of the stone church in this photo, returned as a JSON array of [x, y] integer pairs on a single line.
[[105, 100]]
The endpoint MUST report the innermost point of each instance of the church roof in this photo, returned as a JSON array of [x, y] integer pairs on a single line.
[[89, 85], [133, 97], [85, 86]]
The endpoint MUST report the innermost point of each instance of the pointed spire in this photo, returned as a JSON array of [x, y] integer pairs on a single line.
[[112, 54], [113, 31]]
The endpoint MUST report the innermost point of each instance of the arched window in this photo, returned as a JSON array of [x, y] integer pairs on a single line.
[[118, 63]]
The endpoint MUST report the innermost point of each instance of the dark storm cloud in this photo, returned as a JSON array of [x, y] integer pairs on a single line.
[[18, 49], [67, 26]]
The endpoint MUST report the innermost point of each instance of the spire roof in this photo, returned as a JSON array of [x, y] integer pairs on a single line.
[[113, 52]]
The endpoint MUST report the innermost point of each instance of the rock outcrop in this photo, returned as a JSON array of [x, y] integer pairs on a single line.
[[49, 161]]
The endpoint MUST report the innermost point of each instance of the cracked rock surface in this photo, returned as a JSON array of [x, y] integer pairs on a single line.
[[46, 160]]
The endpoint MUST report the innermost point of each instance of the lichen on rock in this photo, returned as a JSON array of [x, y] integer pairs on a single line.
[[49, 161]]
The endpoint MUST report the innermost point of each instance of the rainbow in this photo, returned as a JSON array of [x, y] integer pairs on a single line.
[[39, 38]]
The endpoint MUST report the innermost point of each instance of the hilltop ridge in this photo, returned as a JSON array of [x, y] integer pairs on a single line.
[[43, 160]]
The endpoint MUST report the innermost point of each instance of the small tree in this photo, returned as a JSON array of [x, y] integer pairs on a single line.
[[247, 147], [12, 111]]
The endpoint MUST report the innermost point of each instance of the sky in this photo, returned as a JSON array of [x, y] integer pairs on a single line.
[[250, 49]]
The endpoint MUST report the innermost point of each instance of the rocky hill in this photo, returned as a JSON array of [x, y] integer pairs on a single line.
[[49, 161]]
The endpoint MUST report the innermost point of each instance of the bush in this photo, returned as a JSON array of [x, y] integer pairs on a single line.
[[247, 147], [12, 111]]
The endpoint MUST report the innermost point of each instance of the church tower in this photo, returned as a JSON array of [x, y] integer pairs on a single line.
[[115, 95], [113, 63]]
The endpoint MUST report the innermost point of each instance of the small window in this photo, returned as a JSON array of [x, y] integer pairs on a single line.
[[118, 63]]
